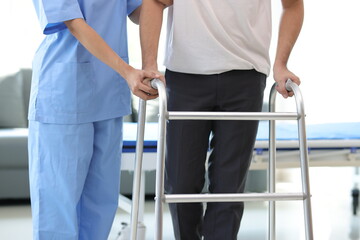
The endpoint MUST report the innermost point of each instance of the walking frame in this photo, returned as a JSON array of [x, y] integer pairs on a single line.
[[271, 195]]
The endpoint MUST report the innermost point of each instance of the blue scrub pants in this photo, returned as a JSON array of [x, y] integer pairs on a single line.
[[74, 179]]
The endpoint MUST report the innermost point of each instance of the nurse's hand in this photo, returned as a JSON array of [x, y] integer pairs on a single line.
[[139, 83]]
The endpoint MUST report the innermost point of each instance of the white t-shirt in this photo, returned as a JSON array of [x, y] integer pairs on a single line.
[[215, 36]]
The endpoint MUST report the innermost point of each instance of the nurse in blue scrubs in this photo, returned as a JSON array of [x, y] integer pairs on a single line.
[[80, 92]]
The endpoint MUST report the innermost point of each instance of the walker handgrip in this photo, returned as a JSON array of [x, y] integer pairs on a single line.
[[288, 85], [153, 83]]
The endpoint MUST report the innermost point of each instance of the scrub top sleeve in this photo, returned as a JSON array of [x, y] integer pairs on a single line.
[[132, 5], [53, 13]]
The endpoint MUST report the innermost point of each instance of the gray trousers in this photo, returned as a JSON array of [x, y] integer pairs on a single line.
[[231, 148]]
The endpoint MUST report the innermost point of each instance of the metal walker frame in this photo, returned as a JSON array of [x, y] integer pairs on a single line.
[[271, 195]]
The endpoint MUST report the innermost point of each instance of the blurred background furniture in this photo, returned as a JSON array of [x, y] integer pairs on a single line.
[[14, 96]]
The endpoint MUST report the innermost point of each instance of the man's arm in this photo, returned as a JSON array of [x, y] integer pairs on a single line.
[[290, 26], [93, 42], [150, 28]]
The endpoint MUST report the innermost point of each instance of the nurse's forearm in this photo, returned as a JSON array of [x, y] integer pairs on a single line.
[[94, 43], [290, 26], [150, 27]]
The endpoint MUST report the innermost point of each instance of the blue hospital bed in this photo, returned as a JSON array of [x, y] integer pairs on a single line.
[[330, 144]]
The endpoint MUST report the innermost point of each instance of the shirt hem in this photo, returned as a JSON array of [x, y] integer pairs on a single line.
[[264, 70]]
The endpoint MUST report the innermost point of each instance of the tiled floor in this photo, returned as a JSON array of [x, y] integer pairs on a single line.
[[331, 203]]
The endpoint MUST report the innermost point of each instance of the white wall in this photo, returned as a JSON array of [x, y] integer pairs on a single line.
[[20, 35], [326, 56]]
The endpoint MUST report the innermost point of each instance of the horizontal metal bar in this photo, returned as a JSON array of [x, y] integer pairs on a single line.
[[232, 197], [180, 115]]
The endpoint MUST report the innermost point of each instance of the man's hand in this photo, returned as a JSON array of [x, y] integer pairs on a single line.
[[160, 76], [139, 83], [281, 75]]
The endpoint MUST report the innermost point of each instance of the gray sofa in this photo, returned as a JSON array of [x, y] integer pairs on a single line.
[[14, 95]]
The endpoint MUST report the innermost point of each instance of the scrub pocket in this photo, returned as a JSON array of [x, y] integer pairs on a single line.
[[72, 87]]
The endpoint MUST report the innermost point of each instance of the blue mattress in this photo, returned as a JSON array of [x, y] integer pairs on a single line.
[[328, 131], [284, 132]]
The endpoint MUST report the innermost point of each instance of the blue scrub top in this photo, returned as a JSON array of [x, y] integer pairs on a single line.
[[69, 84]]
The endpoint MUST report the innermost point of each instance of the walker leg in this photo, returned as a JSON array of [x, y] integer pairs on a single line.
[[160, 164], [137, 170], [304, 160], [305, 179], [272, 182], [272, 168]]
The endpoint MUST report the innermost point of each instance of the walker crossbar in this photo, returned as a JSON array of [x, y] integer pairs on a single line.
[[231, 116], [271, 195], [232, 197]]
